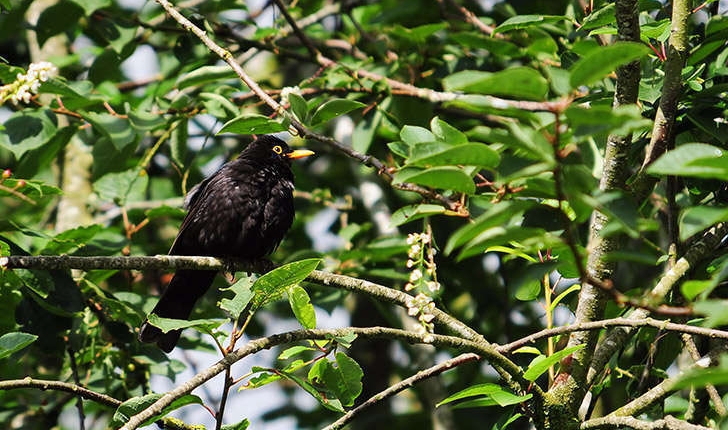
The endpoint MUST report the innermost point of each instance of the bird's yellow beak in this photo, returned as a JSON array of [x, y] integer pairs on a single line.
[[299, 153]]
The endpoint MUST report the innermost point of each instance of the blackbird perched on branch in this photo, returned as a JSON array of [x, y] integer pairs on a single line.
[[241, 212]]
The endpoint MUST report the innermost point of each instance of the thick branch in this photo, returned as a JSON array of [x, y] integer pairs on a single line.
[[592, 298], [44, 385], [662, 131]]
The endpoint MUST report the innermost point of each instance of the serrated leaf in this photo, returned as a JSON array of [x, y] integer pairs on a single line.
[[15, 341], [446, 178], [600, 62], [273, 284], [334, 108], [409, 213], [302, 307], [693, 159], [252, 124], [541, 364]]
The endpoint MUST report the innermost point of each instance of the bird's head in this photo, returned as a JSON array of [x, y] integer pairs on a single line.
[[270, 147]]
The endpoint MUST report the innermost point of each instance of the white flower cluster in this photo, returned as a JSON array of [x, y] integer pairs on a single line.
[[423, 280], [26, 85]]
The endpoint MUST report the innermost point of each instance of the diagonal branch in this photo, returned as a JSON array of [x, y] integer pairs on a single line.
[[401, 386], [302, 131]]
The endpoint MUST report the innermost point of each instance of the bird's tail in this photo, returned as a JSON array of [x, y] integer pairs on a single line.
[[177, 301]]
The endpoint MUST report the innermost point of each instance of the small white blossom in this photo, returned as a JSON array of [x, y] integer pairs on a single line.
[[415, 275], [412, 238], [410, 263]]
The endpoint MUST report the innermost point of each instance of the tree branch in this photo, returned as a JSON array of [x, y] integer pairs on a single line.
[[67, 387], [667, 423], [616, 338], [485, 350], [401, 386], [615, 322]]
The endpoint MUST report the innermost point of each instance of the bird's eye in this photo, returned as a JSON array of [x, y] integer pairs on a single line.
[[278, 149]]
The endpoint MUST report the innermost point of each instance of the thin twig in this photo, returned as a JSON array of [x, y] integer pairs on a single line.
[[79, 401], [401, 386]]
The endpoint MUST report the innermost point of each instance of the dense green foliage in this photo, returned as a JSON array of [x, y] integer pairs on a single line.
[[519, 165]]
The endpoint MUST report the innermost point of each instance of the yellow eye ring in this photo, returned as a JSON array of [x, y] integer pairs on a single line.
[[278, 149]]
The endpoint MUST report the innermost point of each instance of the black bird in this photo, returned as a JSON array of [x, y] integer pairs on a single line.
[[241, 212]]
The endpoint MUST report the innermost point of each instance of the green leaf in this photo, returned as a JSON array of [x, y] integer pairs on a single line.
[[295, 350], [447, 133], [252, 124], [593, 120], [527, 282], [273, 284], [714, 311], [178, 141], [409, 213], [71, 240], [541, 364], [302, 307], [135, 405], [15, 341], [90, 6], [242, 425], [121, 187], [515, 82], [695, 219], [26, 130], [334, 108], [525, 21], [169, 324], [218, 106], [298, 106], [600, 62], [412, 135], [116, 128], [496, 393], [446, 178], [205, 74], [243, 293], [438, 154], [693, 159], [343, 380], [328, 403], [56, 19], [600, 17], [701, 377]]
